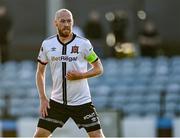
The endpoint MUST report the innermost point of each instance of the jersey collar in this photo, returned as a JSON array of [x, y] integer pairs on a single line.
[[74, 36]]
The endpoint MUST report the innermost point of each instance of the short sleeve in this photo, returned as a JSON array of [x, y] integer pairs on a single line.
[[90, 55], [42, 57]]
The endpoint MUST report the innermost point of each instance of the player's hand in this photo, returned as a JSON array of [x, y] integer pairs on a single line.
[[74, 75], [44, 105]]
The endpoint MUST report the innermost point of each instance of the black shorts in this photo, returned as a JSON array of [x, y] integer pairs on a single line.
[[85, 116]]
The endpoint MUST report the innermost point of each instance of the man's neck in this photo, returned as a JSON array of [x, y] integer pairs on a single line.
[[66, 39]]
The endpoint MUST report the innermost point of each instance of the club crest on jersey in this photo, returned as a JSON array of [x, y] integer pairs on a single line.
[[75, 49]]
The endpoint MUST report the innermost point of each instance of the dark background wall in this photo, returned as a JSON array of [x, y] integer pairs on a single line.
[[165, 13], [28, 27], [29, 19]]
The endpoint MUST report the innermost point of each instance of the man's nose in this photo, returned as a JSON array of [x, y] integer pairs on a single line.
[[66, 23]]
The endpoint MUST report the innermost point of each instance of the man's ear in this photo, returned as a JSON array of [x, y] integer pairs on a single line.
[[73, 22], [55, 23]]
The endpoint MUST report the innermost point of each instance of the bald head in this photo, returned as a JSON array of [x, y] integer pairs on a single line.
[[62, 12]]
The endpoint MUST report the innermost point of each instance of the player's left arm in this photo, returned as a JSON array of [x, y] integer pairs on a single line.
[[97, 69]]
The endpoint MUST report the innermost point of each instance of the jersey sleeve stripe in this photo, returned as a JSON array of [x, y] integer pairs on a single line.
[[95, 60], [43, 63]]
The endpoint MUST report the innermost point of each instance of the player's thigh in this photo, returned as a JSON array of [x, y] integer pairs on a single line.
[[56, 117], [97, 133], [86, 117], [41, 132]]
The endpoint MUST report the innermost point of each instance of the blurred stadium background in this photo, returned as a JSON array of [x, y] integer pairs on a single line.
[[139, 93]]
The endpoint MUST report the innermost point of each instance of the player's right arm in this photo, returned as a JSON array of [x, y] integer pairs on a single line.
[[40, 82]]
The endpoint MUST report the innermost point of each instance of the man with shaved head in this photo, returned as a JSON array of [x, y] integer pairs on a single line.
[[68, 55]]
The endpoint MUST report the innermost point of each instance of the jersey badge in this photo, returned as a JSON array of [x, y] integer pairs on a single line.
[[75, 49]]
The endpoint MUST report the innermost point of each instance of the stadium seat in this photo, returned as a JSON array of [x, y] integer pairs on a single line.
[[100, 102], [131, 85]]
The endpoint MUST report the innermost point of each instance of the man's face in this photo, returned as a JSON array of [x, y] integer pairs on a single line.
[[64, 24]]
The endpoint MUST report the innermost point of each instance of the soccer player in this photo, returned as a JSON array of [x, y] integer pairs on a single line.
[[68, 55]]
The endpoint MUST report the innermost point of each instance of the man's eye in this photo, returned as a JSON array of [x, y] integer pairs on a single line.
[[69, 21], [62, 21]]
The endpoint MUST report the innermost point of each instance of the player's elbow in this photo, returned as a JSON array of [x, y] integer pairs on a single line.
[[100, 71], [98, 68]]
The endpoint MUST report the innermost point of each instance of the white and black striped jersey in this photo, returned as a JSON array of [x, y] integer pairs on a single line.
[[62, 58]]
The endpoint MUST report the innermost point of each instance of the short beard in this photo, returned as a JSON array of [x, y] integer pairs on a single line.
[[62, 34]]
